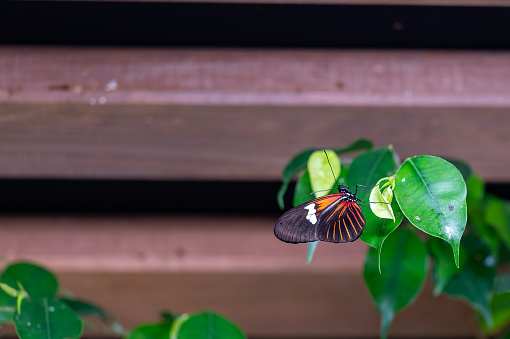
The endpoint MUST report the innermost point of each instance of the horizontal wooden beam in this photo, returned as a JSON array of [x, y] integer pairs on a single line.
[[241, 114], [138, 266], [255, 77], [166, 244], [232, 142], [276, 305]]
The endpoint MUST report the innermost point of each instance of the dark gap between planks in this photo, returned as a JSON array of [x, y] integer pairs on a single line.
[[151, 197], [253, 25]]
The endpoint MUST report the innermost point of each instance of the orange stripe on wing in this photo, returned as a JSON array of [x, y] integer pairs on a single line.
[[358, 210], [358, 213], [343, 206], [355, 218], [340, 229], [324, 203], [353, 223], [346, 229]]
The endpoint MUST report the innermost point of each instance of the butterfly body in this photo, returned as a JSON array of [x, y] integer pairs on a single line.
[[333, 218]]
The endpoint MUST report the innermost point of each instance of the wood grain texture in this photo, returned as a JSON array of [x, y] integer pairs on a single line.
[[232, 142], [165, 244], [255, 77], [137, 266], [276, 305]]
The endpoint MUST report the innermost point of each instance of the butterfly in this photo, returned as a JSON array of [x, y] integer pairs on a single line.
[[333, 218]]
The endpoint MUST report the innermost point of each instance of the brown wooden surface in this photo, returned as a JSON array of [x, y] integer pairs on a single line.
[[232, 142], [255, 77], [138, 266], [165, 244], [241, 114]]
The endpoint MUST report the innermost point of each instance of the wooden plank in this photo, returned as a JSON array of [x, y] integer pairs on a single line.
[[165, 244], [499, 3], [138, 266], [232, 142], [276, 305], [255, 77]]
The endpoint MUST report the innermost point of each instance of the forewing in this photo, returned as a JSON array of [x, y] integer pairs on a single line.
[[343, 223], [300, 223]]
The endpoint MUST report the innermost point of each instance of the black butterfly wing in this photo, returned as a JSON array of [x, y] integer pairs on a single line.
[[301, 223], [343, 223]]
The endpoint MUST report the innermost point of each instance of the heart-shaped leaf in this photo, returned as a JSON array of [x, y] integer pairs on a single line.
[[432, 195], [404, 268]]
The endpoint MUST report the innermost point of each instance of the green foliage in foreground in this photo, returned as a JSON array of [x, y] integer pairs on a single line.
[[431, 203], [31, 300]]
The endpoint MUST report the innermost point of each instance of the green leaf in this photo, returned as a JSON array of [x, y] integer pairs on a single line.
[[303, 191], [500, 307], [47, 318], [432, 195], [7, 308], [159, 330], [497, 214], [358, 145], [37, 281], [9, 290], [367, 169], [312, 246], [463, 168], [321, 177], [86, 309], [298, 163], [342, 179], [502, 284], [404, 268], [377, 229], [444, 265], [474, 281], [382, 207], [205, 325], [475, 191]]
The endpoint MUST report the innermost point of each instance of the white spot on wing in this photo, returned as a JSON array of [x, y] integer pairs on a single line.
[[311, 213]]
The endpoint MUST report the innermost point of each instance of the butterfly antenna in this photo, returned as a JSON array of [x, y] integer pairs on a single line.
[[331, 168], [319, 191], [330, 165]]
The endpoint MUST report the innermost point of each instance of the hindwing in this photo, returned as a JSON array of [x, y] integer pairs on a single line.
[[344, 223]]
